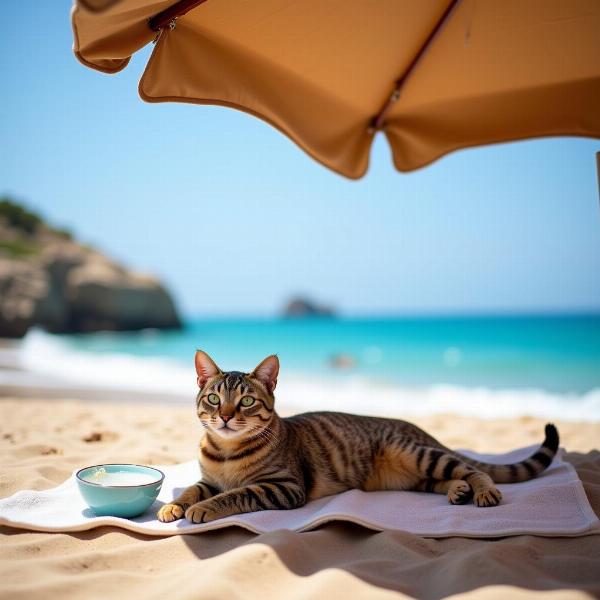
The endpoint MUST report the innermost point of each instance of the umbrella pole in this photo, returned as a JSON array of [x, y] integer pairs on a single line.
[[598, 169], [168, 16]]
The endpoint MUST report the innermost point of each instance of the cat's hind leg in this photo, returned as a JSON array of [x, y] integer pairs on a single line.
[[191, 495], [435, 463], [457, 490]]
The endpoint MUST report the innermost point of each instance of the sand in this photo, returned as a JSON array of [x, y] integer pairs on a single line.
[[42, 441]]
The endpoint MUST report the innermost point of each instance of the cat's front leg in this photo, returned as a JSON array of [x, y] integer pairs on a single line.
[[191, 495], [272, 495]]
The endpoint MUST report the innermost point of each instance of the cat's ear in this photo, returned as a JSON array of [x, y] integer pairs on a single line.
[[205, 367], [267, 372]]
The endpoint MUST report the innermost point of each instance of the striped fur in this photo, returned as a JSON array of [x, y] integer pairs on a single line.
[[252, 459]]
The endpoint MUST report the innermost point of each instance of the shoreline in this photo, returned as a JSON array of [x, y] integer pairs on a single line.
[[60, 391], [102, 379]]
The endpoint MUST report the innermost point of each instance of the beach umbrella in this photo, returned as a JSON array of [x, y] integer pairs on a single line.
[[432, 75]]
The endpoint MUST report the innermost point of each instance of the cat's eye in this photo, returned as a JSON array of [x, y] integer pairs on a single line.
[[247, 401], [214, 399]]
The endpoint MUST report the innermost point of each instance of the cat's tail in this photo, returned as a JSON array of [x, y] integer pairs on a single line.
[[527, 469]]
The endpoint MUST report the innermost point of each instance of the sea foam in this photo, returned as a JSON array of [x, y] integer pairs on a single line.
[[47, 355]]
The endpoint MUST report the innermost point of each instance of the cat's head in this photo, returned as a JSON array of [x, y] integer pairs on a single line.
[[235, 405]]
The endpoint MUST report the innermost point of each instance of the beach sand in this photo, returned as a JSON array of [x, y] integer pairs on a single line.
[[43, 440]]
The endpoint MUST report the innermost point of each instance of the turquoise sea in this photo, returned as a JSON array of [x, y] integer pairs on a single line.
[[556, 354], [484, 365]]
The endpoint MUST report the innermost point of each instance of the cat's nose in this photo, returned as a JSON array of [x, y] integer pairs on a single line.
[[225, 418]]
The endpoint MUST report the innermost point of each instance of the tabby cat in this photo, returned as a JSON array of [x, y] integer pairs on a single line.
[[252, 459]]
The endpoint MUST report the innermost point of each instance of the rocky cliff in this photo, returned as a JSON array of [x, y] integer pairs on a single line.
[[50, 280]]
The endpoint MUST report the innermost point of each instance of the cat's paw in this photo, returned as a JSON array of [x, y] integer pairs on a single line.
[[201, 513], [460, 492], [170, 512], [488, 497]]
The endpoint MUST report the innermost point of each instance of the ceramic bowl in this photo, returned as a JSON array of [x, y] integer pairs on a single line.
[[122, 500]]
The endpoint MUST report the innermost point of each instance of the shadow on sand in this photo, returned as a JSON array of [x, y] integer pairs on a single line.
[[235, 563]]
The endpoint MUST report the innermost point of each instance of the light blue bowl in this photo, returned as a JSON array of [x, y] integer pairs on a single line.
[[119, 500]]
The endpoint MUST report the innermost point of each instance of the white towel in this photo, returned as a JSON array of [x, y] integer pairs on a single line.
[[553, 504]]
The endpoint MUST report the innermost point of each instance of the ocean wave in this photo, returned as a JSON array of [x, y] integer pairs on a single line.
[[45, 354], [50, 356]]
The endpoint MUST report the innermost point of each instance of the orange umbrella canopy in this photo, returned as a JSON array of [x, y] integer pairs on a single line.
[[433, 75]]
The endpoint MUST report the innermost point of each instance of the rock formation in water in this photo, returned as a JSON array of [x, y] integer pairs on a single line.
[[50, 280], [302, 307]]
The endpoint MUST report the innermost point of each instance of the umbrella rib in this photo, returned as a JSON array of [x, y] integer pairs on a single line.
[[378, 121], [167, 16]]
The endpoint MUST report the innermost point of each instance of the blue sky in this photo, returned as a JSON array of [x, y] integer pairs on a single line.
[[235, 218]]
